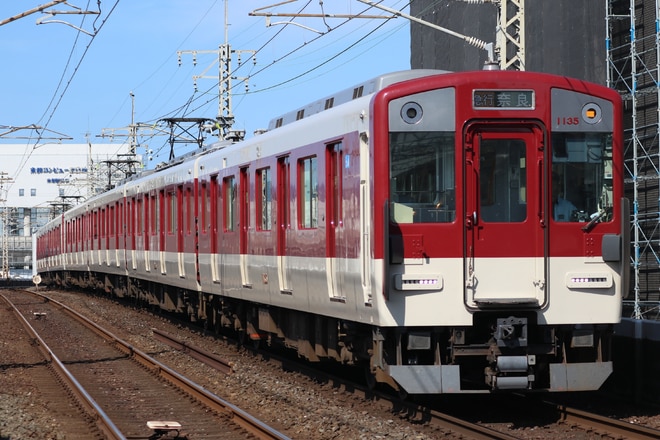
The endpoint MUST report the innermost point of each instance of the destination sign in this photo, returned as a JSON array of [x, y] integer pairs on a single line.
[[503, 99]]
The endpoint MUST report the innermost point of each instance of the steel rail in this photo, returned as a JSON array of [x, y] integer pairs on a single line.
[[197, 353], [89, 405], [240, 417], [454, 424], [605, 424]]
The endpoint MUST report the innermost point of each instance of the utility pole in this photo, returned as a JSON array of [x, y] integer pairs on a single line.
[[511, 34], [132, 132], [5, 223], [225, 117]]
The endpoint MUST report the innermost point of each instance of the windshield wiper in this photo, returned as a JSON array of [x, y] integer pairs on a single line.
[[589, 226]]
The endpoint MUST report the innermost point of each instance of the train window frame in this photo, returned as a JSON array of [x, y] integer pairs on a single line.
[[308, 192], [264, 205]]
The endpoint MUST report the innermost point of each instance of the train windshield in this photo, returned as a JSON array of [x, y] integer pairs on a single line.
[[422, 179], [581, 177]]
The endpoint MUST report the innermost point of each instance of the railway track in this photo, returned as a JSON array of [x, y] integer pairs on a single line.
[[606, 427], [442, 424], [127, 392], [576, 419], [451, 426]]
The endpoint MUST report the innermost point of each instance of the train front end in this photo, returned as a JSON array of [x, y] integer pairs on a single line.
[[500, 232]]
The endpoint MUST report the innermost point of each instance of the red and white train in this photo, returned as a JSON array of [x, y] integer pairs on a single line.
[[451, 232]]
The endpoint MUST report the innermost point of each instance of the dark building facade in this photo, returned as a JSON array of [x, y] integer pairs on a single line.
[[565, 37]]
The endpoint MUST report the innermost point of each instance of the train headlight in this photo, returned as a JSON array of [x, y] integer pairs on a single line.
[[591, 113], [411, 113]]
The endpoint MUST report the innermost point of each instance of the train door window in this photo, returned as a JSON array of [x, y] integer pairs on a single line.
[[244, 218], [172, 212], [147, 217], [104, 228], [139, 228], [157, 210], [581, 177], [207, 204], [188, 210], [203, 205], [120, 222], [129, 218], [308, 193], [335, 159], [503, 180], [95, 225], [147, 221], [215, 194], [422, 177], [161, 215], [264, 200], [111, 221], [229, 191], [283, 199]]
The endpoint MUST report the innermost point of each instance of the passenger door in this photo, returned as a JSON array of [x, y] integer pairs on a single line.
[[505, 215]]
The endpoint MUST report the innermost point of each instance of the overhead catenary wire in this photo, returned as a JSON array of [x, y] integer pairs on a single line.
[[291, 52], [66, 87]]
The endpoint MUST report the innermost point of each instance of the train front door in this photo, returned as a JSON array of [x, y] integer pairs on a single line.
[[505, 215]]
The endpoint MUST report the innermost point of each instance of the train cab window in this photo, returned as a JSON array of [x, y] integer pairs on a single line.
[[422, 178], [581, 177], [264, 200], [308, 193]]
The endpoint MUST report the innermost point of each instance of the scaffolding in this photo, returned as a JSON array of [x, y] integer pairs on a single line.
[[633, 67]]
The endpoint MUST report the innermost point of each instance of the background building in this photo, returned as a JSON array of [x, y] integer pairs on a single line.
[[565, 37], [40, 182]]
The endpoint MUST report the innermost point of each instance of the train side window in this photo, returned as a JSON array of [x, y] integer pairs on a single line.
[[422, 177], [264, 200], [308, 193], [229, 191]]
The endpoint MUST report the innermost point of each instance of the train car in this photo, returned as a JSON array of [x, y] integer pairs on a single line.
[[448, 232]]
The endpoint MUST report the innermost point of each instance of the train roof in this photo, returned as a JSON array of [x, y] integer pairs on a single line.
[[362, 89]]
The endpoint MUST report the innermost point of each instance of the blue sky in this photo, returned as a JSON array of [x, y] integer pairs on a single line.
[[70, 83]]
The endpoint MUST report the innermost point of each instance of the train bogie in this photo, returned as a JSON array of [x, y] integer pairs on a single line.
[[411, 224]]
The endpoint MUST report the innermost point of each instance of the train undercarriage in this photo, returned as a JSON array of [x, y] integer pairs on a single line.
[[502, 351]]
